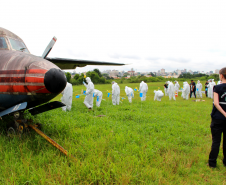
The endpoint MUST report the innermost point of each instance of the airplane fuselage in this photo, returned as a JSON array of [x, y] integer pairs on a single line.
[[28, 78]]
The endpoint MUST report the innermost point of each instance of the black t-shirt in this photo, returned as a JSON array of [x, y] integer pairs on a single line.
[[166, 86], [221, 91], [192, 85], [206, 85]]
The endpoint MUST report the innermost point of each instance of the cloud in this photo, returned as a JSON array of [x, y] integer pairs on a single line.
[[121, 56], [179, 60]]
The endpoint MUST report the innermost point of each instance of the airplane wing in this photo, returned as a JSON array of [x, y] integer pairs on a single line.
[[65, 63]]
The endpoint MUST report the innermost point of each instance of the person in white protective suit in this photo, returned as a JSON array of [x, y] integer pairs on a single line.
[[213, 84], [67, 97], [171, 90], [185, 91], [219, 82], [199, 89], [210, 89], [89, 93], [98, 95], [115, 93], [177, 86], [129, 93], [158, 95], [143, 89]]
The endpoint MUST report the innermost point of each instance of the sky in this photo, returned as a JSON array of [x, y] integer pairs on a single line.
[[146, 35]]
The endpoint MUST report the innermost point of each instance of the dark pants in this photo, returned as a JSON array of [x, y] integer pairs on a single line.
[[191, 94], [206, 93], [217, 128]]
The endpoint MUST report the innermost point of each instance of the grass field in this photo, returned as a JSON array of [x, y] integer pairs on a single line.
[[149, 142]]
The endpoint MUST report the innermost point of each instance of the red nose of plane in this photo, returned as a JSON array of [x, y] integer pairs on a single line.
[[55, 80]]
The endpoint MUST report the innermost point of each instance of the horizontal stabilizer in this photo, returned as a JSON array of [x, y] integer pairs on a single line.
[[15, 108], [46, 107], [65, 63]]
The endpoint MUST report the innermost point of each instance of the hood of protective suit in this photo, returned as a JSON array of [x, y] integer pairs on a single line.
[[88, 79]]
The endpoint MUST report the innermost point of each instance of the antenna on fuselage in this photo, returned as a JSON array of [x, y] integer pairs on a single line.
[[49, 47]]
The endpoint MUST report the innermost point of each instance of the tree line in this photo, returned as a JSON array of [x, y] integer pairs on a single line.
[[98, 78]]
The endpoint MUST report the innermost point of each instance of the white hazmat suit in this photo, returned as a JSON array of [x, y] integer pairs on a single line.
[[219, 82], [143, 89], [98, 95], [183, 92], [67, 97], [115, 93], [129, 92], [186, 90], [210, 89], [199, 90], [171, 90], [158, 95], [89, 93], [177, 86]]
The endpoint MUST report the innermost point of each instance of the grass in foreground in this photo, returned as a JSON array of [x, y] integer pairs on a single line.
[[149, 142]]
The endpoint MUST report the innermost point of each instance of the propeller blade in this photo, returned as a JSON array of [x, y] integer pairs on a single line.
[[49, 47]]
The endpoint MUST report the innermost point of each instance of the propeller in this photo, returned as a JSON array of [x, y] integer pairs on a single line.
[[49, 47]]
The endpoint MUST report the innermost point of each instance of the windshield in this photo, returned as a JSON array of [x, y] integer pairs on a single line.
[[3, 44], [18, 45]]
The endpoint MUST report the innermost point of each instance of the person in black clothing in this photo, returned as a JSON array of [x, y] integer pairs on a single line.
[[218, 116], [206, 88], [166, 88], [192, 88], [166, 85]]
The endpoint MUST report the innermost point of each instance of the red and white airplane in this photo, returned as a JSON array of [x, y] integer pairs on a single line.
[[27, 81]]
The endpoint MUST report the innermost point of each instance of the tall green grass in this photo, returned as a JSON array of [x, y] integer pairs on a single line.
[[149, 142]]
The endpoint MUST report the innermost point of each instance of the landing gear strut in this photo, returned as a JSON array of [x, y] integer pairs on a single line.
[[21, 125]]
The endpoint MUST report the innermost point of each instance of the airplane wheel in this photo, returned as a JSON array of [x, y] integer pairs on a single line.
[[11, 132]]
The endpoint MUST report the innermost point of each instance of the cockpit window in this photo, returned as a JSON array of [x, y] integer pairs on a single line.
[[3, 44], [18, 45]]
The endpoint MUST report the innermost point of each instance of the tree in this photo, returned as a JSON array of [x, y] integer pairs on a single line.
[[98, 72], [215, 77], [68, 76], [76, 77], [94, 76]]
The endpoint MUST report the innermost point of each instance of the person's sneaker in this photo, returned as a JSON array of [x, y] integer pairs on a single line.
[[210, 166]]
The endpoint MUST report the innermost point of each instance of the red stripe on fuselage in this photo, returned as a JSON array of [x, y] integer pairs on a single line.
[[22, 80], [22, 89]]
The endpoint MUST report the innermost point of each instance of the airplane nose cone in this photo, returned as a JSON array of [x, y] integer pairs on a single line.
[[55, 80]]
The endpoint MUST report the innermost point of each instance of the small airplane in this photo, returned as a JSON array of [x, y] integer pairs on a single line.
[[29, 82]]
